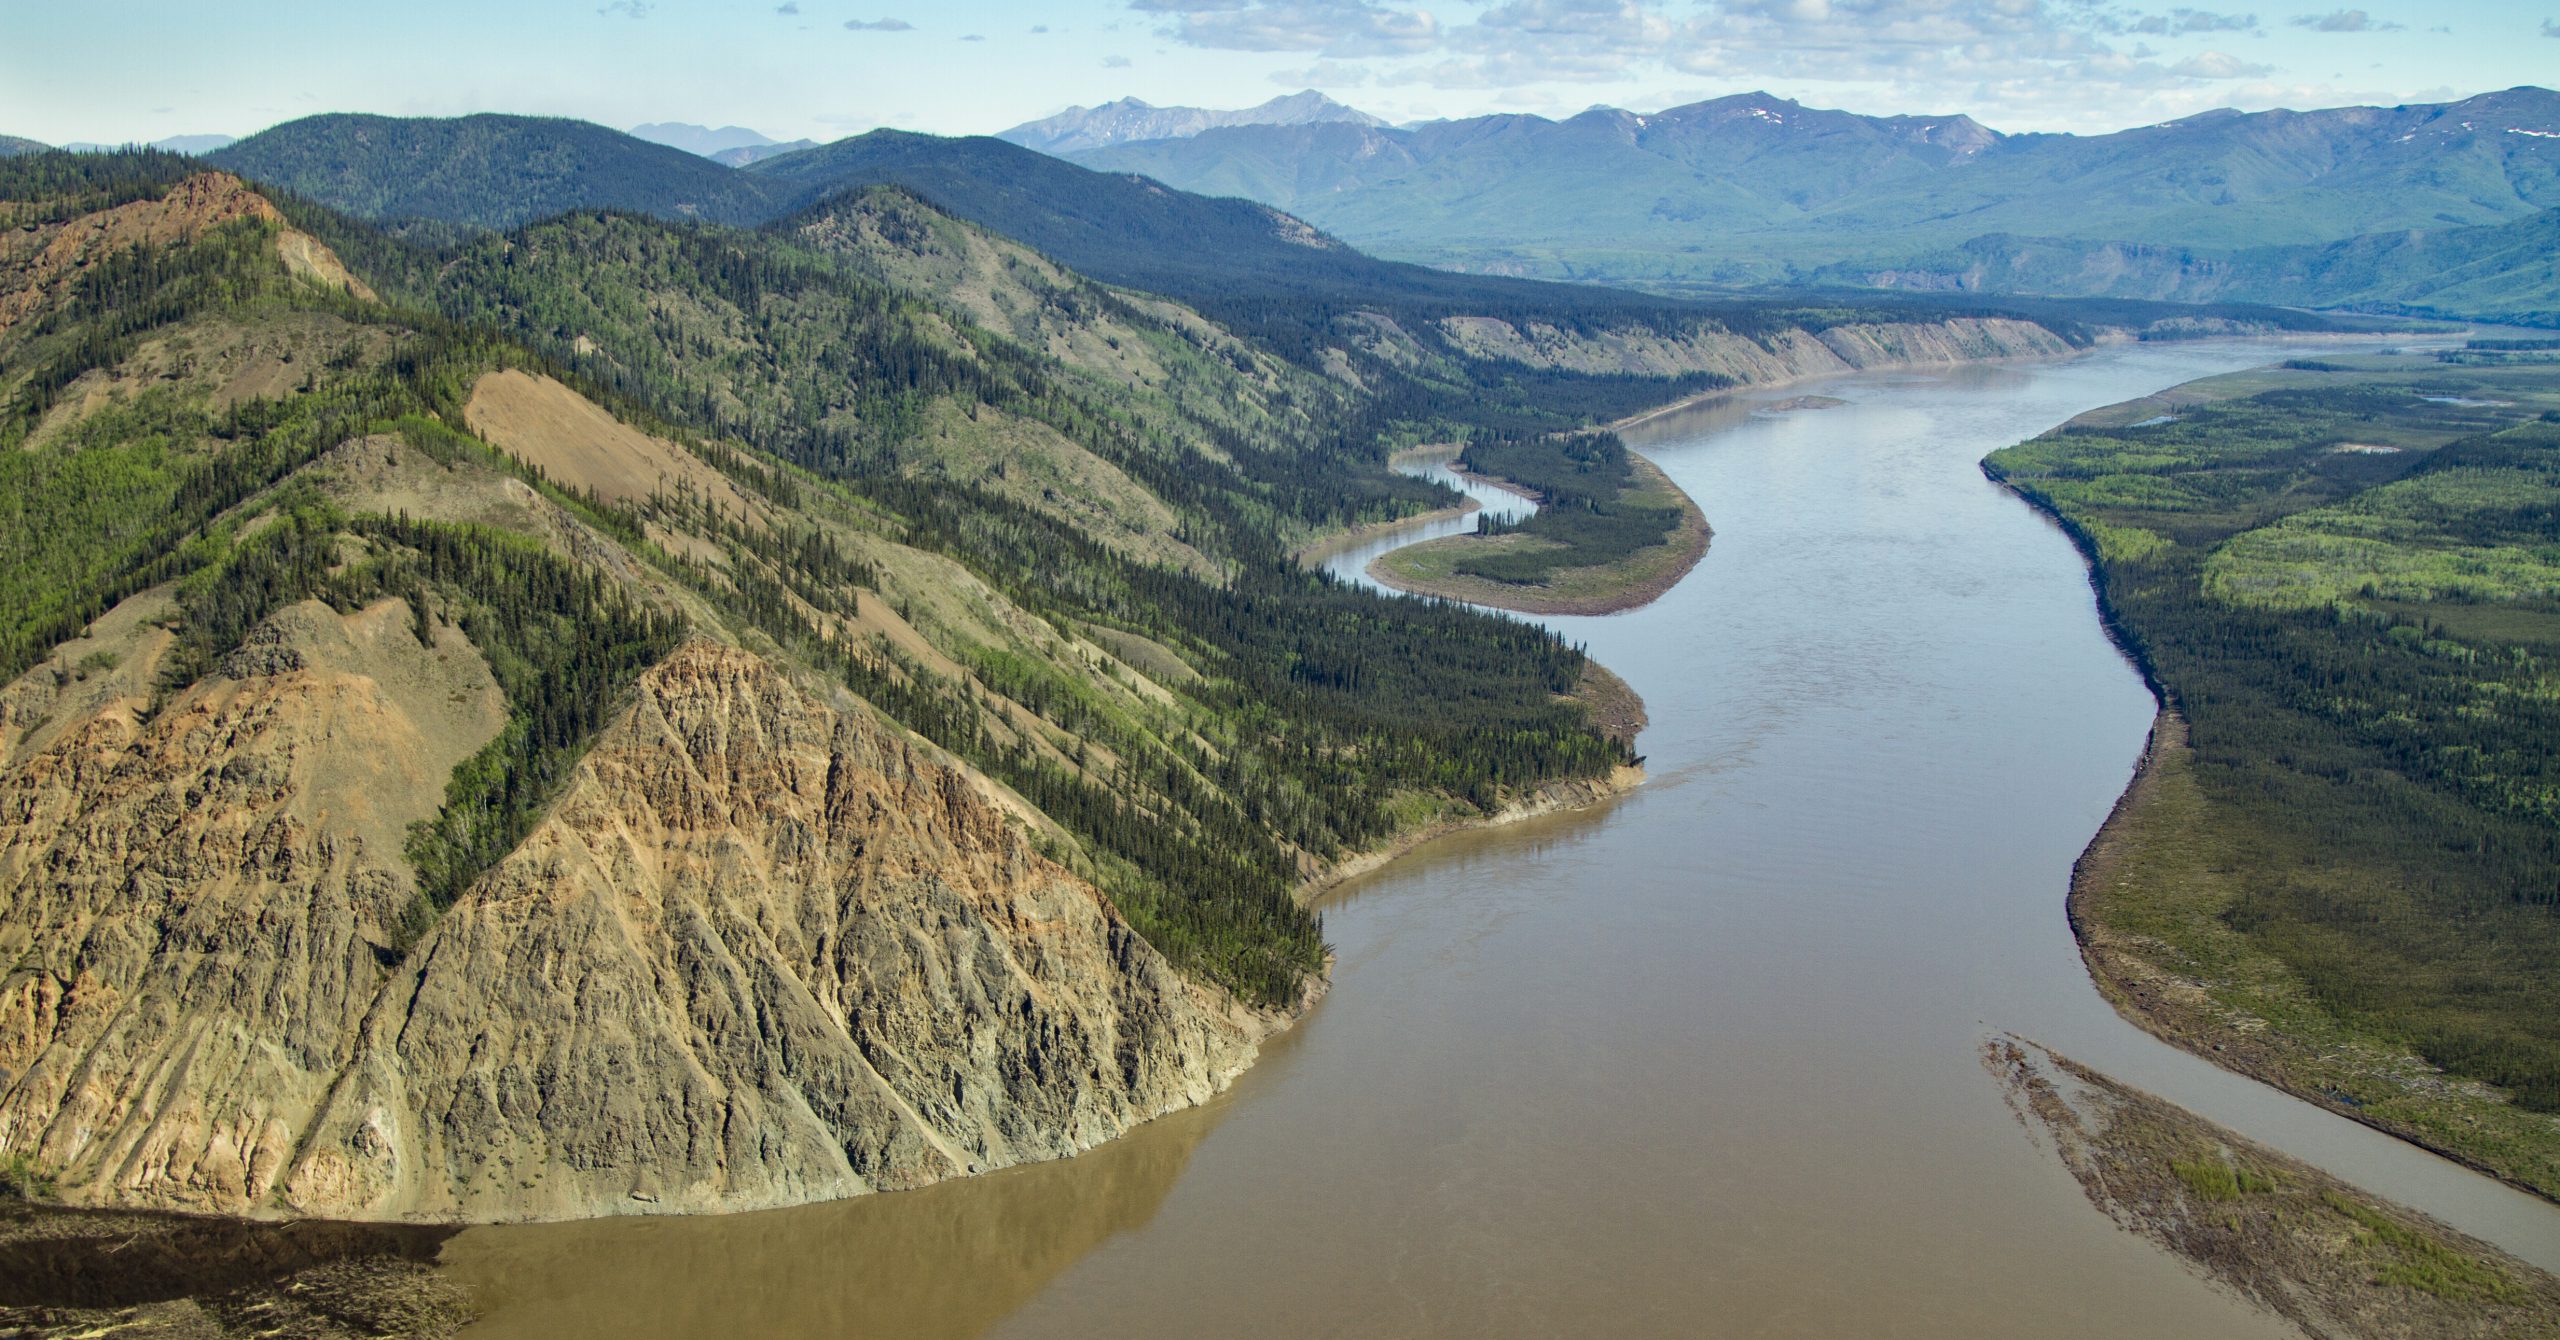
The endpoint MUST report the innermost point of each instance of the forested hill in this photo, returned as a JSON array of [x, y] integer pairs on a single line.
[[1251, 267], [486, 171], [749, 579], [1126, 229], [2503, 272]]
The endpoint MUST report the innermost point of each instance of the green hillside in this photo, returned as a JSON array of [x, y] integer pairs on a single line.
[[486, 171], [1197, 721], [2503, 272]]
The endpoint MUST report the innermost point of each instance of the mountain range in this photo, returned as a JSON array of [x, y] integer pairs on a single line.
[[1253, 266], [176, 144], [1754, 189], [1127, 120], [2433, 210]]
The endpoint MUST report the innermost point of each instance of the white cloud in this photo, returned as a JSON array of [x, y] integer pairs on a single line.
[[2180, 22], [2345, 21], [629, 9], [1336, 28], [879, 25], [2216, 65], [2024, 57]]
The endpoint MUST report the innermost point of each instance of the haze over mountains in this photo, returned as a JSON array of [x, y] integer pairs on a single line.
[[1755, 189], [1129, 120], [736, 146], [2428, 209]]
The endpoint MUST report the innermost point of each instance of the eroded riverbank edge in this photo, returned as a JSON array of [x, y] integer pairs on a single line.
[[1615, 709], [2282, 1234]]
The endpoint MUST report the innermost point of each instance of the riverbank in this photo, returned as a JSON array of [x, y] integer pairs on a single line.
[[1314, 552], [2318, 1252], [2290, 921], [2149, 904], [1429, 568], [1552, 798], [1821, 374]]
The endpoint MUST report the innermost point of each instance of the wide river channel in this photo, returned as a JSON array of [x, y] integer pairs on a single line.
[[1700, 1062]]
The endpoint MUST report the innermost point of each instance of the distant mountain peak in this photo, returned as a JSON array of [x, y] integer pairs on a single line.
[[702, 140], [1129, 120]]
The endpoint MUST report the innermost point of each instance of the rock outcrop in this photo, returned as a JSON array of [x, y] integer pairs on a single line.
[[1786, 355], [40, 263], [762, 950]]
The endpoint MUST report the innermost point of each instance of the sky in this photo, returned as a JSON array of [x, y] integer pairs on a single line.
[[119, 70]]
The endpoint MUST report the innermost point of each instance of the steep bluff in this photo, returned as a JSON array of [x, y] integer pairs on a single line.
[[763, 950], [1788, 355]]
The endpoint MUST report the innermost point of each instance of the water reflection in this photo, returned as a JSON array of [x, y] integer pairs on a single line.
[[947, 1261]]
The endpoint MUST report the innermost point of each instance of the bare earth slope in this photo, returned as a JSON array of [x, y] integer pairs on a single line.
[[762, 951]]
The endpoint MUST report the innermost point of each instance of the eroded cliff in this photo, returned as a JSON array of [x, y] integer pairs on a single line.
[[763, 950], [1786, 355]]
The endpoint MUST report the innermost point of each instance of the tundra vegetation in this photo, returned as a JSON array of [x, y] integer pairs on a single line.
[[2340, 869]]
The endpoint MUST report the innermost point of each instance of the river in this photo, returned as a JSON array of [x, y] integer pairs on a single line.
[[1699, 1061]]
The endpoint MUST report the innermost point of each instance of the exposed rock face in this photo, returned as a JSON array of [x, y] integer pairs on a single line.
[[191, 900], [1789, 355], [38, 266], [761, 951]]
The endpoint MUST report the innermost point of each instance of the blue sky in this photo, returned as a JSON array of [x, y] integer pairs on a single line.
[[141, 69]]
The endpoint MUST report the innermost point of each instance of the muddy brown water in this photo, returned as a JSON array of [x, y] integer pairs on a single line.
[[1699, 1062]]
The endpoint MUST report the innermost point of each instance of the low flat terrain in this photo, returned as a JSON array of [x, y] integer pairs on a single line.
[[2337, 871]]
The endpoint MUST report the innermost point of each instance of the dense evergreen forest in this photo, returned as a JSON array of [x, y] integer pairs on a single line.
[[487, 171], [1583, 483], [1309, 718], [2348, 583]]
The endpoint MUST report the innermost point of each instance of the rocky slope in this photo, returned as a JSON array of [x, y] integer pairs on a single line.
[[762, 951]]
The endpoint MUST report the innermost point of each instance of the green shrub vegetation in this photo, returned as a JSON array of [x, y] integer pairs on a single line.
[[2215, 1177], [2361, 641]]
